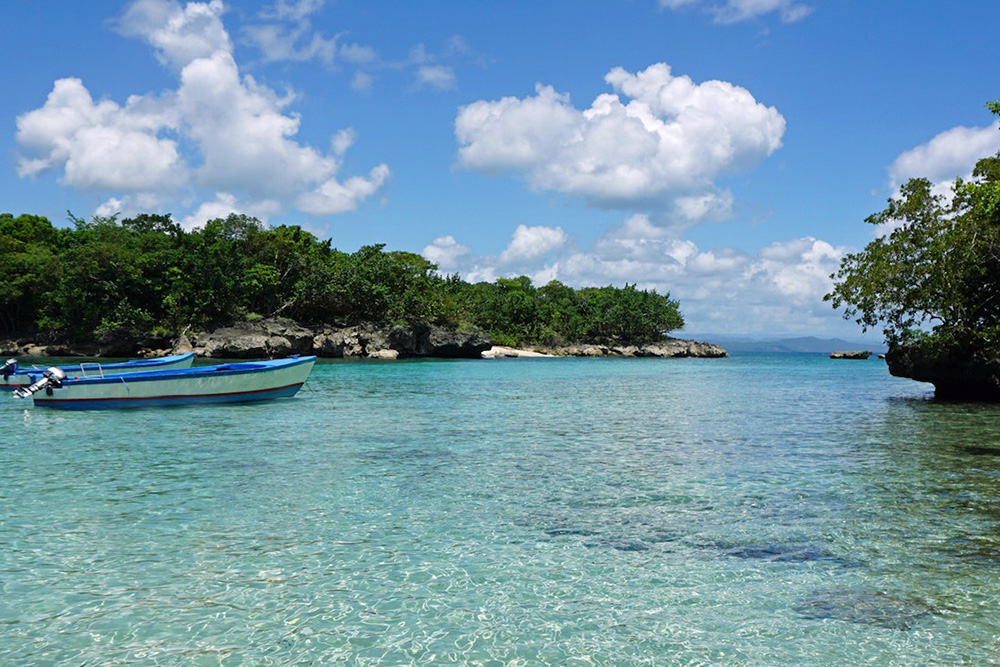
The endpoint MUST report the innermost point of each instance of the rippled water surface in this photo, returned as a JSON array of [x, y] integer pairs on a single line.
[[759, 510]]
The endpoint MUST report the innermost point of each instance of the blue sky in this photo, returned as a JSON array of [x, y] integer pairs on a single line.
[[725, 151]]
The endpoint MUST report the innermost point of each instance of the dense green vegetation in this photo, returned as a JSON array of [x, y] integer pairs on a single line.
[[935, 279], [146, 275]]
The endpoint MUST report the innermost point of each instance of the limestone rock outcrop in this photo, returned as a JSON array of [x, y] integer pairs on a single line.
[[281, 337], [670, 347], [254, 340], [957, 374], [851, 354]]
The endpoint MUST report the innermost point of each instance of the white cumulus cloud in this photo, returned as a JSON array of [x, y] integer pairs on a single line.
[[332, 196], [800, 269], [445, 251], [180, 34], [662, 146], [100, 146], [223, 205], [242, 132], [219, 131], [950, 155], [530, 244], [130, 205]]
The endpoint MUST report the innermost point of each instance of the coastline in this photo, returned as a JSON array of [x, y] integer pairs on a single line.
[[273, 338], [504, 352], [667, 348]]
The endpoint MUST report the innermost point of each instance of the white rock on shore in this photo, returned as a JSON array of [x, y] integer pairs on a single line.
[[502, 351], [671, 347]]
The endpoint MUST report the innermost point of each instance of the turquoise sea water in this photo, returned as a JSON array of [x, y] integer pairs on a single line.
[[752, 511]]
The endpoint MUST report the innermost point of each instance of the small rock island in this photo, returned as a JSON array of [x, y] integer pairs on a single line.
[[851, 354]]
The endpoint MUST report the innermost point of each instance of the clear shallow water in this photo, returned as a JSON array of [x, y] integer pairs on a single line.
[[758, 511]]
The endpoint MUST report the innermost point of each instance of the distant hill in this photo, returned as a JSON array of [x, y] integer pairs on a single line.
[[799, 345]]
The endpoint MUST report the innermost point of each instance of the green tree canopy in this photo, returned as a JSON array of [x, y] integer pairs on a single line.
[[939, 266], [147, 275], [29, 247]]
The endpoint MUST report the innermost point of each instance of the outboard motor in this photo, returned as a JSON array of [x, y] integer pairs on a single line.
[[52, 378], [9, 368]]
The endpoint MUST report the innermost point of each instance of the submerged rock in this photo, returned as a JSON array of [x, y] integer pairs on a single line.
[[788, 553], [619, 544], [865, 606], [562, 532]]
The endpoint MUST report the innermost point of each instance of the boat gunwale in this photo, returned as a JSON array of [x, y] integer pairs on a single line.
[[25, 376], [153, 362], [165, 400], [192, 373]]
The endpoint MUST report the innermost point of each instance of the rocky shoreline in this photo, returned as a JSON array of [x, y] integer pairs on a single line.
[[271, 338], [668, 348], [956, 374]]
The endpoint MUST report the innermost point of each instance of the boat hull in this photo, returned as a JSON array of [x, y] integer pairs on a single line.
[[22, 378], [227, 383]]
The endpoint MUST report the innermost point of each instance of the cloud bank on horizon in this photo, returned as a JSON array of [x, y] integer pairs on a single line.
[[653, 152]]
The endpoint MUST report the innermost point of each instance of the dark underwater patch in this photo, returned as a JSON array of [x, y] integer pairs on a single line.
[[405, 454], [978, 450], [864, 606], [789, 553], [561, 532], [975, 550], [620, 544], [665, 536]]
